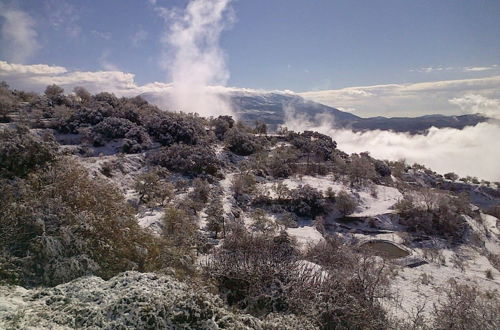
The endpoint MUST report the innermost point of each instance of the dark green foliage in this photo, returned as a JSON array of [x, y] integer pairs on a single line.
[[107, 98], [313, 144], [112, 128], [240, 142], [307, 201], [281, 163], [7, 102], [451, 176], [136, 137], [215, 216], [136, 140], [83, 117], [170, 128], [22, 152], [382, 168], [192, 160], [221, 125]]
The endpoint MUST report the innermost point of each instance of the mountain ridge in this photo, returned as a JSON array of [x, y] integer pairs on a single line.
[[272, 108]]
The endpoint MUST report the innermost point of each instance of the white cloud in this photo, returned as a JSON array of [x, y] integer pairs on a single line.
[[480, 68], [36, 69], [432, 69], [139, 37], [106, 64], [413, 99], [194, 57], [101, 34], [63, 16], [19, 34], [469, 151], [37, 77], [473, 103]]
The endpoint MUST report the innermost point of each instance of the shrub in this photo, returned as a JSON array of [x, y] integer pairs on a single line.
[[169, 128], [83, 94], [433, 213], [106, 98], [243, 184], [201, 190], [131, 300], [240, 142], [451, 176], [153, 188], [22, 152], [345, 203], [307, 201], [192, 160], [55, 94], [7, 102], [247, 269], [112, 128], [261, 223], [382, 168], [313, 144], [281, 162], [136, 140], [262, 274], [221, 125], [215, 217], [179, 228], [60, 224], [360, 169], [465, 307]]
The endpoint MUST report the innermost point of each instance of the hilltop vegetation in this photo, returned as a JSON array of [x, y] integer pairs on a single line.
[[118, 214]]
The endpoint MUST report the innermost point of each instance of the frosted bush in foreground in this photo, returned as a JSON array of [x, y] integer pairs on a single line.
[[130, 300]]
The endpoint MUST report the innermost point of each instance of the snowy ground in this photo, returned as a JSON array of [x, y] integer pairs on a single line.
[[306, 236]]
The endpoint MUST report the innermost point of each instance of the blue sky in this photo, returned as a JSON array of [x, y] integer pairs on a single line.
[[299, 45], [390, 57]]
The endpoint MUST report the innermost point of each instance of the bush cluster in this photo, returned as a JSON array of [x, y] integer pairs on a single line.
[[59, 224], [240, 142], [169, 128], [313, 144], [22, 152], [262, 274], [307, 201], [434, 213], [191, 160]]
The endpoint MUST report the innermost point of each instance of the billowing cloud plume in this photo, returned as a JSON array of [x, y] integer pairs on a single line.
[[194, 58], [408, 100], [469, 151], [18, 34]]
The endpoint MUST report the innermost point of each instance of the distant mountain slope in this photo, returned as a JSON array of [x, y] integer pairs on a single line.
[[417, 124], [271, 108]]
